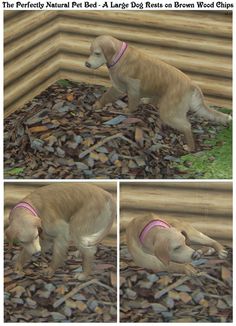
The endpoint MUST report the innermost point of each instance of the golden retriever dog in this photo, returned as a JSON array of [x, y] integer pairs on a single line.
[[57, 214], [141, 76], [159, 245]]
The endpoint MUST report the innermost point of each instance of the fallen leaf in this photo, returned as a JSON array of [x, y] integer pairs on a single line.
[[118, 163], [115, 121], [102, 157], [81, 306], [113, 279], [131, 121], [70, 97], [139, 136], [38, 129], [185, 297], [88, 141], [94, 156], [226, 275]]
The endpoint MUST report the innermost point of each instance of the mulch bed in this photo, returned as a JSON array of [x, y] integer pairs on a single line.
[[163, 297], [60, 135], [35, 298]]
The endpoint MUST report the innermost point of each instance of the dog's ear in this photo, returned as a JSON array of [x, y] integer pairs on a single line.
[[162, 251], [11, 234], [40, 231], [187, 240], [108, 50], [37, 222]]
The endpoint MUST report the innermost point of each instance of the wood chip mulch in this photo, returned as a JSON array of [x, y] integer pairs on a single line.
[[60, 135], [35, 298], [163, 297]]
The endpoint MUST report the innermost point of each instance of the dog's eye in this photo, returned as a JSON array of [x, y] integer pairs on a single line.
[[176, 248], [24, 242], [97, 54], [27, 242]]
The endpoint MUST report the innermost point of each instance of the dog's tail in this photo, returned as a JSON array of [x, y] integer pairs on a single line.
[[198, 106]]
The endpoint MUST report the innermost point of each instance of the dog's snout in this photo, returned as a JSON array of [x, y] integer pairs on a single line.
[[87, 64], [196, 255]]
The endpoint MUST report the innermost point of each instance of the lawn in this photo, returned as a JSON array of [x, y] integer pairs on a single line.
[[215, 163]]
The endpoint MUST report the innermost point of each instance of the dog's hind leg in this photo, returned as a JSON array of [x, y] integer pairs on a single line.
[[184, 126], [175, 116], [87, 256]]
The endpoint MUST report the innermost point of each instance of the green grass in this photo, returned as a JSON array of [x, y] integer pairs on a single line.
[[215, 163], [64, 83]]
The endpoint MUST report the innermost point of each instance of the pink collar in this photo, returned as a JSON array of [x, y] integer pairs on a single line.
[[150, 225], [118, 55], [26, 206]]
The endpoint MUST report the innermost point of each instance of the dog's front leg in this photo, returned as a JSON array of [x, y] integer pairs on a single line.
[[109, 96], [133, 95], [60, 246], [46, 246], [21, 260], [181, 268], [198, 237]]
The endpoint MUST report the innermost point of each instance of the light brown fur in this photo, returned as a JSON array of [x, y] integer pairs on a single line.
[[141, 76], [158, 251], [81, 213]]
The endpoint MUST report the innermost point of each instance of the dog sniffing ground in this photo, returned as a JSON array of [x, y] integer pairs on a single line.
[[35, 298], [162, 297], [60, 135]]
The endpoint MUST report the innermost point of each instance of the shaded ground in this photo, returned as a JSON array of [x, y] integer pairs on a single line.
[[60, 135], [34, 298], [163, 297]]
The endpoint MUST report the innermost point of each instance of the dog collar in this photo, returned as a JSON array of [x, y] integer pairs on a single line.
[[118, 55], [26, 206], [151, 225]]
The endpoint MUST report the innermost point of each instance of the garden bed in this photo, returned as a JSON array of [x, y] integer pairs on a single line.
[[35, 298], [59, 135], [161, 297]]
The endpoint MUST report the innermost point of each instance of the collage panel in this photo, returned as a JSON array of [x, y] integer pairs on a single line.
[[60, 253], [176, 252], [100, 94]]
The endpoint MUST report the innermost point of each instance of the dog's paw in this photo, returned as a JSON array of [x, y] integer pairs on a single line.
[[190, 149], [81, 277], [223, 253], [197, 254], [210, 252], [48, 272], [190, 270], [229, 119], [19, 269], [97, 105]]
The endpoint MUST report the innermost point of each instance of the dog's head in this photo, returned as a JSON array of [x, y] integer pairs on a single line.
[[171, 246], [102, 50], [25, 228]]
